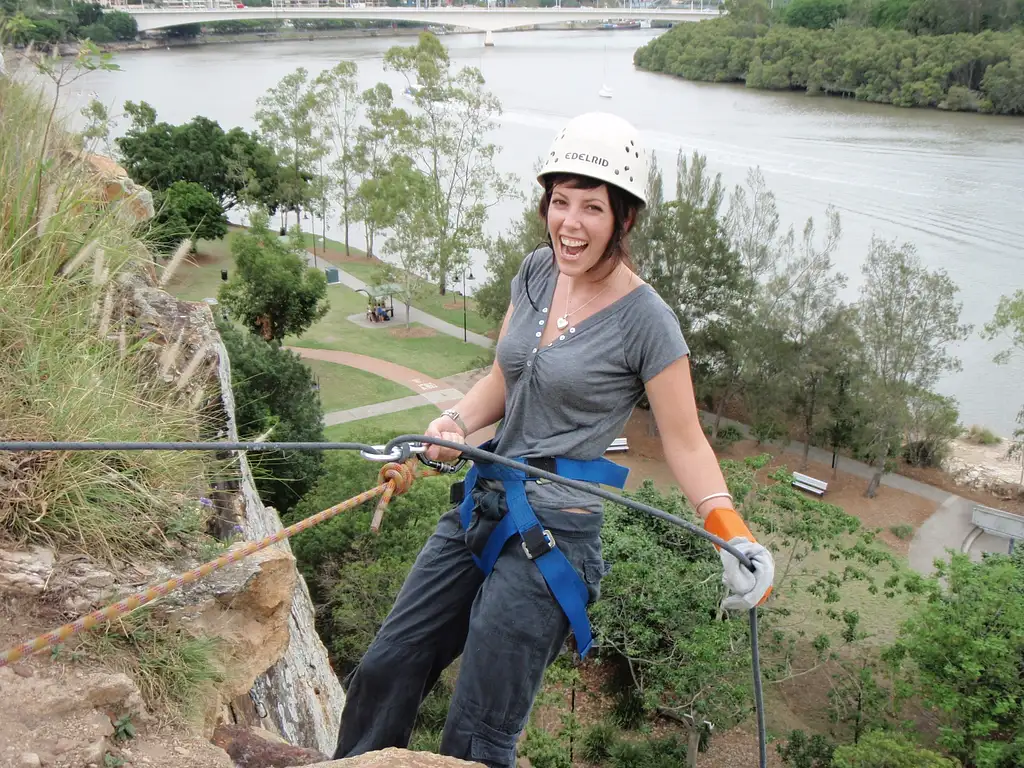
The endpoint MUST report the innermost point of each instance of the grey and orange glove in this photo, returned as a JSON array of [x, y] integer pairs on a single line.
[[748, 588]]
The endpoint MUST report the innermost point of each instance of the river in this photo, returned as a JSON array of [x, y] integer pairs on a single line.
[[952, 184]]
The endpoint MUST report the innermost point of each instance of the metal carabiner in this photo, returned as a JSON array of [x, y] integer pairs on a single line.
[[441, 466], [398, 452]]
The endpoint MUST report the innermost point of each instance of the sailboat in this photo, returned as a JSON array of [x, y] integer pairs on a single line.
[[605, 92]]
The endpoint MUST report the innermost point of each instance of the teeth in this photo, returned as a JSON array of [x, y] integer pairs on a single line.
[[570, 243]]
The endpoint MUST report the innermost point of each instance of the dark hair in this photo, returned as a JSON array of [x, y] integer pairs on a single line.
[[626, 208]]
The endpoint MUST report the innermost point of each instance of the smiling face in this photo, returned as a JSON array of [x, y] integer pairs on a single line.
[[581, 223]]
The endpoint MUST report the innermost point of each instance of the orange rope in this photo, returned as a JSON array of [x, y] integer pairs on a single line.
[[395, 479]]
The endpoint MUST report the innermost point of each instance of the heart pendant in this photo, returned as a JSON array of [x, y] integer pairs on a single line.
[[561, 323]]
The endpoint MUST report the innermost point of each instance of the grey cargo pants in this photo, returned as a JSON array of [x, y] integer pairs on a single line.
[[507, 627]]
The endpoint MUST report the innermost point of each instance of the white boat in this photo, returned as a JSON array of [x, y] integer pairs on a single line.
[[605, 92]]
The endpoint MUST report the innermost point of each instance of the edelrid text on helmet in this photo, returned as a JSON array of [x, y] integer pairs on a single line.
[[586, 158], [601, 146]]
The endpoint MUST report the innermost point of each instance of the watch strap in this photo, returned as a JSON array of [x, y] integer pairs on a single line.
[[454, 415]]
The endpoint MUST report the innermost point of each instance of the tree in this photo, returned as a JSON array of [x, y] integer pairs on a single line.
[[452, 151], [272, 291], [121, 24], [683, 252], [286, 116], [1009, 319], [231, 166], [187, 210], [880, 749], [412, 226], [961, 651], [388, 133], [505, 255], [816, 328], [908, 316], [337, 109], [275, 400]]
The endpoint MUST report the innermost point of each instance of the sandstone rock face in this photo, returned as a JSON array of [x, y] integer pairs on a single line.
[[397, 758], [131, 199], [300, 697]]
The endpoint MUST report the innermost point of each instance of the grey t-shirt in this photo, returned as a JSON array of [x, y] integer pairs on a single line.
[[574, 397]]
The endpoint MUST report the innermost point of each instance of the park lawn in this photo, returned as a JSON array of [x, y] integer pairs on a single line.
[[198, 277], [343, 387], [447, 308], [408, 422], [438, 355]]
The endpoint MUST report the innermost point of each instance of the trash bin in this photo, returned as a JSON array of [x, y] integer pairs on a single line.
[[332, 275]]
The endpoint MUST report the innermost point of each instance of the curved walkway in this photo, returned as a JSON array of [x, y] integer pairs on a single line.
[[429, 391]]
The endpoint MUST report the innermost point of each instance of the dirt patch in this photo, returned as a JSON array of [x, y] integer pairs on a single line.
[[335, 256], [453, 305], [412, 333], [890, 507]]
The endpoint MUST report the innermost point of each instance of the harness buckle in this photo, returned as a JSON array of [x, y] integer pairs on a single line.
[[536, 539]]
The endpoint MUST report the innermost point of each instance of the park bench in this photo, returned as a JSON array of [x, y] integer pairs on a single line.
[[998, 523], [809, 484], [618, 444]]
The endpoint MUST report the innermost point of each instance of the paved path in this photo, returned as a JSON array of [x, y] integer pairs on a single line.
[[429, 390], [415, 315]]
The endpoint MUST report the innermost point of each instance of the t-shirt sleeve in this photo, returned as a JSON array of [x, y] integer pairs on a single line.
[[653, 338], [531, 269]]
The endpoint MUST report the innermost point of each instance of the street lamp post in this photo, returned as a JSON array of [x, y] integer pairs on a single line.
[[465, 332]]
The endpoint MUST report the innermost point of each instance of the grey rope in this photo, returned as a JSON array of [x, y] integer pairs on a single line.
[[402, 448]]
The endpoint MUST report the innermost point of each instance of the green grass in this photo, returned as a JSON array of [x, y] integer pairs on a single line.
[[64, 372], [429, 300], [198, 277], [343, 387], [438, 356], [410, 422]]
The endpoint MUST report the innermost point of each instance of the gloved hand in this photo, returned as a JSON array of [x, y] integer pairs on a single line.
[[748, 588]]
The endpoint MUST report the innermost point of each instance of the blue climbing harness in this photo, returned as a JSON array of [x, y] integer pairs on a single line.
[[537, 542]]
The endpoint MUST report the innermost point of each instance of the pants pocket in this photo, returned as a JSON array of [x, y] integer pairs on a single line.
[[492, 747], [594, 569]]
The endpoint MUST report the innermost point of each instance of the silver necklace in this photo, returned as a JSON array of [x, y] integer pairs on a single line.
[[562, 322]]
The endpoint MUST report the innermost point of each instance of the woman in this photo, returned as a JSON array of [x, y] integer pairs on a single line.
[[510, 571]]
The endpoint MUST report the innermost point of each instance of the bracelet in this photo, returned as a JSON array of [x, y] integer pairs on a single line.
[[452, 414], [721, 494]]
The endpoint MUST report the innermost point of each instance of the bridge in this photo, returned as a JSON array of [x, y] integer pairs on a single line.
[[481, 19]]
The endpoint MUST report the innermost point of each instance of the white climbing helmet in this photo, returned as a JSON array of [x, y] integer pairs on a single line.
[[604, 147]]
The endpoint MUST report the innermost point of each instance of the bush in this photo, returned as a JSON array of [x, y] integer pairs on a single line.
[[598, 741], [800, 751], [97, 32], [983, 436], [274, 396], [815, 14], [880, 749]]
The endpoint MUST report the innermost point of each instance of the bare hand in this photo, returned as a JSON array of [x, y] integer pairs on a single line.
[[444, 428]]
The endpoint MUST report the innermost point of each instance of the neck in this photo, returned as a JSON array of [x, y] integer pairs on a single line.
[[595, 278]]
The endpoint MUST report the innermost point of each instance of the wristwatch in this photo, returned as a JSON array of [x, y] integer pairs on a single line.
[[452, 414]]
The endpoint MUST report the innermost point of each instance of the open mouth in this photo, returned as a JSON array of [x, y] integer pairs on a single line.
[[572, 247]]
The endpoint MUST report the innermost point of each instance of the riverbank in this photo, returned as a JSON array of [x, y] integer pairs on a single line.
[[955, 72]]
